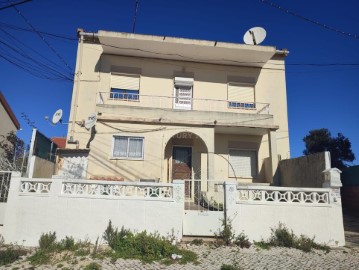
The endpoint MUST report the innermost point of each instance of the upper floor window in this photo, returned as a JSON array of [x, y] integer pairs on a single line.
[[183, 91], [241, 96], [243, 163], [127, 147], [125, 86]]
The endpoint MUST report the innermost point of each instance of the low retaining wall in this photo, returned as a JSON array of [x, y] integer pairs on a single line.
[[82, 209], [312, 212]]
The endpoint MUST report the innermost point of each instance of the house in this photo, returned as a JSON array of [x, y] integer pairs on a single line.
[[8, 120], [173, 108]]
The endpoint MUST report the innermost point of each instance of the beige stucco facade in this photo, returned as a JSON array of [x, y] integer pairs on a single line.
[[8, 121], [210, 126]]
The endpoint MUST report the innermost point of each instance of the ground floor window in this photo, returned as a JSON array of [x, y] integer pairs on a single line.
[[127, 147], [243, 163]]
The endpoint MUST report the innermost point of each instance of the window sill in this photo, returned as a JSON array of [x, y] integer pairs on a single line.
[[125, 158]]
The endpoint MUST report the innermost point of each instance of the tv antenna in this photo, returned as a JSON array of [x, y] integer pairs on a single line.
[[90, 121], [254, 36]]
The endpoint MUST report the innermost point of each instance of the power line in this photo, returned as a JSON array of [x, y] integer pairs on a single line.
[[14, 4], [327, 27], [43, 38], [14, 51], [18, 28]]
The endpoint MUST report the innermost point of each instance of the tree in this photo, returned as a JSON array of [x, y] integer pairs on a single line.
[[320, 140], [12, 150]]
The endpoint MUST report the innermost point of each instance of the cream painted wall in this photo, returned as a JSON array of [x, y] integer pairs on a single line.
[[210, 82], [156, 141], [6, 124]]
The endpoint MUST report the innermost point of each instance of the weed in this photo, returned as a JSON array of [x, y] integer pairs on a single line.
[[47, 241], [82, 252], [262, 245], [283, 237], [197, 242], [60, 265], [242, 241], [68, 244], [226, 235], [93, 266], [145, 246], [230, 267], [40, 257], [11, 255]]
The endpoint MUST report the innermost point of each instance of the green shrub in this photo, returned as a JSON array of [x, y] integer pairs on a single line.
[[40, 257], [262, 244], [282, 237], [242, 241], [226, 235], [93, 266], [68, 244], [47, 241], [11, 255], [145, 246]]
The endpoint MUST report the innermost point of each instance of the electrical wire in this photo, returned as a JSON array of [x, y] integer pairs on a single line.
[[325, 26], [41, 66], [43, 39], [18, 28]]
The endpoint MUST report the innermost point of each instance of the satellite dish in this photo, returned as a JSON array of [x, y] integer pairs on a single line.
[[56, 117], [254, 36], [90, 121]]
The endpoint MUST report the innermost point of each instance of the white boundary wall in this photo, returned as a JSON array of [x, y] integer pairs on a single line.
[[82, 209], [312, 212]]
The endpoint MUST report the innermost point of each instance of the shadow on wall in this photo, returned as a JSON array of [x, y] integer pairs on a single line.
[[306, 171], [350, 189]]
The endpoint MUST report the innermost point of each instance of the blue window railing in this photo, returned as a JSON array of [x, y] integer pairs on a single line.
[[125, 94]]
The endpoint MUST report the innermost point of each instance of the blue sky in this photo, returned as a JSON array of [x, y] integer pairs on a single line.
[[318, 96]]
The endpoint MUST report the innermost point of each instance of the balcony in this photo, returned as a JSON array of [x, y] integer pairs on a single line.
[[181, 103]]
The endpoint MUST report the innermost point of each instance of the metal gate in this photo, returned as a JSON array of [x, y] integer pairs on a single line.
[[203, 207]]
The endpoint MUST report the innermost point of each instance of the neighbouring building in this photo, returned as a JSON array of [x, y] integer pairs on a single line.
[[8, 120], [173, 108]]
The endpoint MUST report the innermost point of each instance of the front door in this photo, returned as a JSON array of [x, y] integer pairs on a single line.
[[182, 165]]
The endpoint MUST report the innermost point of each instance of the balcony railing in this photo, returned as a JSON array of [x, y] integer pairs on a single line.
[[181, 103]]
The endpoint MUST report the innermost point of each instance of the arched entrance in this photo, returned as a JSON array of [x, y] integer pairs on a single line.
[[186, 156]]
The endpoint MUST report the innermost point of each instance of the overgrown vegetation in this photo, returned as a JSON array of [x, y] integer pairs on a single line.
[[48, 245], [93, 266], [226, 236], [144, 246], [197, 242], [283, 237], [10, 255], [242, 241]]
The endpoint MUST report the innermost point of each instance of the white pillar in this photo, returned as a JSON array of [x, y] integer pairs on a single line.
[[272, 139], [178, 197], [210, 160]]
